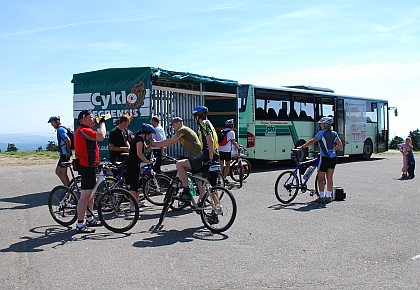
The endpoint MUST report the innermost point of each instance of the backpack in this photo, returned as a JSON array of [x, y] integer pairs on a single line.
[[70, 134], [222, 137], [339, 193]]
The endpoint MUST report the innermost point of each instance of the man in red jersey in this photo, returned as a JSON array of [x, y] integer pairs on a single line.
[[87, 152]]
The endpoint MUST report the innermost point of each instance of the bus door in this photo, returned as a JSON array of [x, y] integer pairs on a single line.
[[382, 130], [339, 123]]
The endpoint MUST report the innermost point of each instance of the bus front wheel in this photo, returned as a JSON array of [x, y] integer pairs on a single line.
[[367, 149]]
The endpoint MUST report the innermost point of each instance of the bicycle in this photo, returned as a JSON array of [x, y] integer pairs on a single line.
[[289, 182], [240, 168], [113, 208], [215, 204]]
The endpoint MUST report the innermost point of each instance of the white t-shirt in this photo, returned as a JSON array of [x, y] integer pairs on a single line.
[[228, 146]]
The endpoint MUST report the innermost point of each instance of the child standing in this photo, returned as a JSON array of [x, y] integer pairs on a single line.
[[405, 148]]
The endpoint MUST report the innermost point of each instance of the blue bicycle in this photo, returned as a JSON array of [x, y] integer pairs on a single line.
[[290, 182]]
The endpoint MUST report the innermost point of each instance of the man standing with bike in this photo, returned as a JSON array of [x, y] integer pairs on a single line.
[[118, 139], [64, 147], [329, 143], [87, 152]]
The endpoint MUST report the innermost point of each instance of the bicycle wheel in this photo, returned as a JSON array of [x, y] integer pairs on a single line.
[[234, 172], [167, 201], [220, 180], [75, 185], [240, 173], [114, 210], [218, 214], [154, 188], [287, 186], [106, 184], [62, 204]]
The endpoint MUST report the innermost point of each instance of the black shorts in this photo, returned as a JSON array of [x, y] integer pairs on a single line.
[[327, 163], [133, 176], [197, 164], [63, 158], [88, 175], [226, 156]]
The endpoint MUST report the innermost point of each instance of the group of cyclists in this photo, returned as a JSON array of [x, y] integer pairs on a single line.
[[201, 149]]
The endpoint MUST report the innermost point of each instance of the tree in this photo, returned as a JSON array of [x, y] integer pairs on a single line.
[[51, 146], [39, 149], [394, 142], [11, 148], [415, 137]]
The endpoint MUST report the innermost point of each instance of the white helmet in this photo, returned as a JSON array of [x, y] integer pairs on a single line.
[[326, 120]]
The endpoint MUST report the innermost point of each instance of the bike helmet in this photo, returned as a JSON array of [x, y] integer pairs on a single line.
[[326, 120], [201, 111], [229, 123], [53, 118], [147, 129]]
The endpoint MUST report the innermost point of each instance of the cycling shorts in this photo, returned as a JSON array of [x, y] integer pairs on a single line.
[[88, 175], [63, 158], [133, 176], [226, 156], [197, 165], [327, 163]]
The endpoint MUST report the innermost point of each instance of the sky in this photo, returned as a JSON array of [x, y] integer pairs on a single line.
[[358, 48]]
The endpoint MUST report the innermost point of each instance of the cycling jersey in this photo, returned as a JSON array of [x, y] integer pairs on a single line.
[[326, 140], [86, 147], [206, 128]]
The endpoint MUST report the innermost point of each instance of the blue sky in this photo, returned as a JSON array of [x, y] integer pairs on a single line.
[[360, 48]]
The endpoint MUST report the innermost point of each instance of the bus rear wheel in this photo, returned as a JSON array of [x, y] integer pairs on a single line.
[[367, 150]]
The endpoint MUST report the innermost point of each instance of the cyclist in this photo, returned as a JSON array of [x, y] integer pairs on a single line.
[[329, 143], [136, 155], [209, 145], [64, 145], [225, 150], [87, 152], [185, 135]]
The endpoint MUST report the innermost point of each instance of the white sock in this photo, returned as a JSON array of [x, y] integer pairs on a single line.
[[80, 225], [329, 193], [321, 194], [89, 219]]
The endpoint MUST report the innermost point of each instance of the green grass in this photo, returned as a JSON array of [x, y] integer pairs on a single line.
[[32, 155]]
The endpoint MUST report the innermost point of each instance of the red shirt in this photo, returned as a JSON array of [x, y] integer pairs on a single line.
[[86, 147]]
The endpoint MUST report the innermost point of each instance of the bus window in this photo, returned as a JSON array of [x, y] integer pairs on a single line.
[[371, 116], [242, 97], [304, 107], [271, 105]]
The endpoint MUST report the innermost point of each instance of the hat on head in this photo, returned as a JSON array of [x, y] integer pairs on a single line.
[[83, 114], [176, 120], [53, 118]]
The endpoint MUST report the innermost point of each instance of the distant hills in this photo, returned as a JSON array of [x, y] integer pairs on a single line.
[[27, 142]]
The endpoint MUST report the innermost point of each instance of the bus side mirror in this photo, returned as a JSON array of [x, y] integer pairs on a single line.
[[396, 112]]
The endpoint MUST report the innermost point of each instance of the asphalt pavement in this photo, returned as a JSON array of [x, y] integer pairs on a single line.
[[368, 241]]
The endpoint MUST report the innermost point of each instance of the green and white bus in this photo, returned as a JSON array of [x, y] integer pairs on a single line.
[[272, 121]]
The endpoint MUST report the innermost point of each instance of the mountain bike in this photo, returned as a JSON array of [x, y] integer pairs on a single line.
[[113, 208], [289, 182], [240, 168], [215, 204]]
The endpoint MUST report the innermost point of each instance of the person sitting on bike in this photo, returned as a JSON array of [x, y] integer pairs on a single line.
[[87, 152], [226, 149], [136, 155], [209, 144], [185, 135], [329, 143]]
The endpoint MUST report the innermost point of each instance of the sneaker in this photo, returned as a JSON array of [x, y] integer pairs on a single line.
[[143, 204], [212, 218], [320, 200], [184, 196], [84, 229], [328, 199], [133, 208], [93, 223]]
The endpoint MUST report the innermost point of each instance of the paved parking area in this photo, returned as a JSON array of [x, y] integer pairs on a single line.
[[371, 240]]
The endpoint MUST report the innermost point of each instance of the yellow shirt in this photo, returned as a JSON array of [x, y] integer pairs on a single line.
[[206, 128]]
